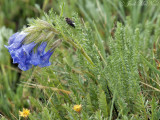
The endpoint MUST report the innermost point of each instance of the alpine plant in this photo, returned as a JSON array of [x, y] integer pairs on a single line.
[[27, 52]]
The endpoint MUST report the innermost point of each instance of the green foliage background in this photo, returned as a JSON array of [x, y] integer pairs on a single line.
[[110, 62]]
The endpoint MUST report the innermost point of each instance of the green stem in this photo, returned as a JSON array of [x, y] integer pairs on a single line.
[[79, 47], [100, 55], [75, 45], [86, 56]]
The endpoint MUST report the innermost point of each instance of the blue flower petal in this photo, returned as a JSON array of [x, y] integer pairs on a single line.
[[15, 41], [12, 38], [27, 48], [19, 56], [13, 46], [35, 59], [25, 66], [45, 59], [41, 48], [20, 37]]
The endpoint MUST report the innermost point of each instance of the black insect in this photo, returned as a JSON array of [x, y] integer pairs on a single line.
[[70, 22]]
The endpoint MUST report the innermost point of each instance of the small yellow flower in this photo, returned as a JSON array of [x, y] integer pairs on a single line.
[[24, 113], [77, 108]]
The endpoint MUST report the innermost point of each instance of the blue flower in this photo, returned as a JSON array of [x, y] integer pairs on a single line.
[[44, 59], [40, 57], [24, 54]]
